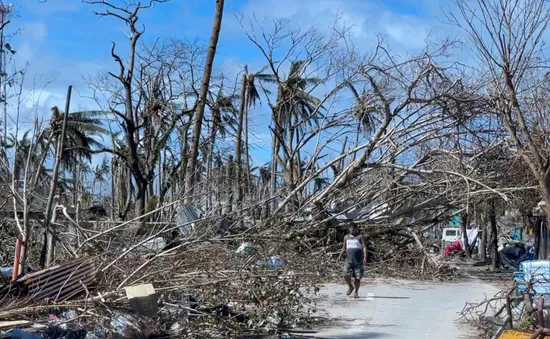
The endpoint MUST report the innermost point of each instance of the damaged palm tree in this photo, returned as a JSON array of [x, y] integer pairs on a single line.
[[393, 144], [58, 129]]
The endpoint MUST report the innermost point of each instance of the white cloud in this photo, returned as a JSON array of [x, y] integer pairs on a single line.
[[406, 30], [365, 19], [35, 31], [28, 40], [25, 52], [49, 73]]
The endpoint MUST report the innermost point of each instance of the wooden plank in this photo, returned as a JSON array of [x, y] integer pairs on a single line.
[[14, 323]]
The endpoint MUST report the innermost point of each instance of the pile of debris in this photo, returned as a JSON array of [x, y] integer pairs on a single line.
[[200, 277], [403, 258], [214, 285], [518, 310]]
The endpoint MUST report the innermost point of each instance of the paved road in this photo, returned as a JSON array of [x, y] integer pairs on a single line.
[[400, 309]]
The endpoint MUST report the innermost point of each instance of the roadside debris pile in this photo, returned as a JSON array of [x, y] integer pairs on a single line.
[[394, 251], [404, 256], [199, 277], [519, 309], [212, 285]]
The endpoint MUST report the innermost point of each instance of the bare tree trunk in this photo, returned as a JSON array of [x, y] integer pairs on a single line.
[[483, 243], [238, 141], [162, 158], [50, 208], [78, 213], [247, 150], [229, 183], [543, 244], [273, 179], [50, 257], [132, 132], [290, 165], [184, 154], [219, 183], [298, 175], [122, 185], [464, 227], [114, 193], [150, 189], [495, 262], [141, 195], [129, 195], [76, 185], [216, 27], [209, 166]]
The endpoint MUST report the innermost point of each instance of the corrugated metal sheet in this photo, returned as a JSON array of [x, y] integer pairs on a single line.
[[186, 214], [57, 283], [60, 282]]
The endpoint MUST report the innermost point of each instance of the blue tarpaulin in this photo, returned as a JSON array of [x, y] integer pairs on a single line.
[[455, 219]]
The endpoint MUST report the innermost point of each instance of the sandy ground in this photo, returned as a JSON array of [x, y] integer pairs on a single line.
[[400, 309]]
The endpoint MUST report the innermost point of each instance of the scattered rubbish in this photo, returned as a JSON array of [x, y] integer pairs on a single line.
[[203, 280], [143, 299], [335, 206], [512, 255], [275, 261], [60, 321], [290, 275], [68, 315], [6, 272], [56, 283], [98, 211], [225, 224], [175, 328], [246, 248], [185, 217], [96, 334], [123, 324], [151, 246], [54, 320]]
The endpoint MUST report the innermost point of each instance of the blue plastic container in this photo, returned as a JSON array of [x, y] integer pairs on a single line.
[[538, 273]]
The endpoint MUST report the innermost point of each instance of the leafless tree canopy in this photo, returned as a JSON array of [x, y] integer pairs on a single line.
[[397, 142]]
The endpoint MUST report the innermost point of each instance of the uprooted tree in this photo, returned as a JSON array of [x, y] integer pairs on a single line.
[[398, 142]]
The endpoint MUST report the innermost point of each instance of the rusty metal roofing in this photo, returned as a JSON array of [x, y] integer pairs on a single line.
[[60, 282], [54, 284]]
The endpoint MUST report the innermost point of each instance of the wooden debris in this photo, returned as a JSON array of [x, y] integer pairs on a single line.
[[430, 256], [4, 325]]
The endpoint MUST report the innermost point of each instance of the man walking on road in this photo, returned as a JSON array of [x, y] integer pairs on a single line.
[[355, 248]]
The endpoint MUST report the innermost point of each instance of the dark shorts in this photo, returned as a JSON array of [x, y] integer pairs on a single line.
[[354, 270]]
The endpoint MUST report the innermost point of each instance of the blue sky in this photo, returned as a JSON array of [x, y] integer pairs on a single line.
[[62, 40]]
